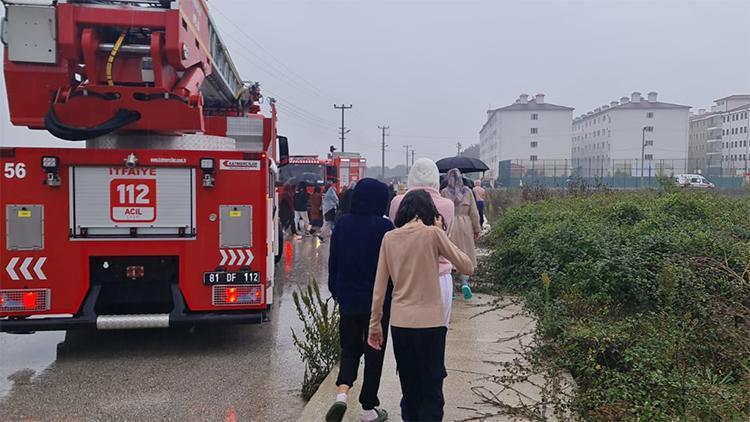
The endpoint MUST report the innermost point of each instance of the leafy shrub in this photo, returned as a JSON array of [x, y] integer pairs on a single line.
[[626, 213], [649, 300], [319, 348]]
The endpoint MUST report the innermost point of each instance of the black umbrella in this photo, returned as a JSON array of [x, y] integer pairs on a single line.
[[464, 164]]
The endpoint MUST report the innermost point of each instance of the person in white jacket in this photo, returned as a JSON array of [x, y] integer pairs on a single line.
[[330, 204]]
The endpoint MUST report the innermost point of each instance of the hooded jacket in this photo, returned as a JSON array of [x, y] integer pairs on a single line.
[[355, 248], [424, 175]]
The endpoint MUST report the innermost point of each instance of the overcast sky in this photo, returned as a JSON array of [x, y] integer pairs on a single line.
[[431, 69]]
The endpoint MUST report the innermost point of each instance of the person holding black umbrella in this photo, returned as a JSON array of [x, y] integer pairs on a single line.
[[465, 229]]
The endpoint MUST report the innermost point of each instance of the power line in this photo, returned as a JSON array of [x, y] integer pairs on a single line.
[[294, 115], [283, 67], [269, 69], [301, 111], [401, 135], [343, 108]]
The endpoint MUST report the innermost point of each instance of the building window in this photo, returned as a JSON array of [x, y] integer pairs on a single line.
[[534, 144], [649, 143], [534, 116], [533, 158], [534, 130], [650, 115], [649, 156]]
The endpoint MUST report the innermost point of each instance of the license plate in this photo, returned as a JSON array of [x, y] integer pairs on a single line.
[[236, 277]]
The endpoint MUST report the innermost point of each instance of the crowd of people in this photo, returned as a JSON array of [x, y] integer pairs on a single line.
[[395, 261]]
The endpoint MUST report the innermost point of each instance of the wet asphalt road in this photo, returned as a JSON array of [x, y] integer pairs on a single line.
[[236, 373]]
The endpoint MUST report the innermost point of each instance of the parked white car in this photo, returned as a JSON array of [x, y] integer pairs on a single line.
[[693, 181]]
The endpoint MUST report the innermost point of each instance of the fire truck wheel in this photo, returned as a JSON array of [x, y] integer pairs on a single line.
[[277, 258]]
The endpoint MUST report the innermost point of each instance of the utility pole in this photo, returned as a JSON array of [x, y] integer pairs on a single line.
[[407, 159], [412, 157], [458, 149], [382, 150], [343, 108]]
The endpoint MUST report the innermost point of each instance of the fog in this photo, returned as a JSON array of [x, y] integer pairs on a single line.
[[431, 69]]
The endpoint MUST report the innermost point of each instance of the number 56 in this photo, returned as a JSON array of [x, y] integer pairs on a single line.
[[12, 170]]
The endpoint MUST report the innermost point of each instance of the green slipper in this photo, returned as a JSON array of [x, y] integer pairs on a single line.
[[467, 291], [382, 415], [336, 412]]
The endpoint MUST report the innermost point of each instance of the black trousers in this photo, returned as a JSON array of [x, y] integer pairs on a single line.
[[420, 361], [353, 332], [480, 208]]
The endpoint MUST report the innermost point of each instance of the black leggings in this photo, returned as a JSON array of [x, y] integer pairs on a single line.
[[420, 361], [353, 332]]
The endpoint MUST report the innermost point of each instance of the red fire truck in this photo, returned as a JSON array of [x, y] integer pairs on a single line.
[[339, 168], [344, 168], [167, 217], [303, 168]]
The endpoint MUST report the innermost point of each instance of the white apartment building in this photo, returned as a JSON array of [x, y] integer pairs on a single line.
[[735, 141], [704, 142], [719, 139], [528, 129], [626, 136]]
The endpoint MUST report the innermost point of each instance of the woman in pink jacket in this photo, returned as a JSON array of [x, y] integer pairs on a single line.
[[424, 175]]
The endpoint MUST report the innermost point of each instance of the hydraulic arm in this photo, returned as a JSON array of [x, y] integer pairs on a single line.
[[82, 69]]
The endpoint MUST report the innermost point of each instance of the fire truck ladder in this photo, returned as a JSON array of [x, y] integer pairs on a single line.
[[225, 85]]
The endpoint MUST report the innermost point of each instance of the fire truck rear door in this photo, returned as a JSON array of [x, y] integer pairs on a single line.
[[120, 202]]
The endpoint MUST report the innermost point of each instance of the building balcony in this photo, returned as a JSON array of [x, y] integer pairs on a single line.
[[713, 140], [713, 153]]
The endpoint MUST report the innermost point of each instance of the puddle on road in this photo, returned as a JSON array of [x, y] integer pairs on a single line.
[[36, 351]]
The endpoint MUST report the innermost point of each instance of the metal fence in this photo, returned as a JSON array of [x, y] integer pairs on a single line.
[[634, 173]]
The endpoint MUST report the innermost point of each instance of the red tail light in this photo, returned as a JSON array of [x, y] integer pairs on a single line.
[[231, 295], [21, 300], [246, 294], [29, 300]]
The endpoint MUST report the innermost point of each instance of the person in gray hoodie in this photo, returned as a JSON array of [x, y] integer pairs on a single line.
[[330, 204]]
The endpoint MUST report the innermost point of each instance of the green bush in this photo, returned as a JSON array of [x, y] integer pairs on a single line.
[[647, 300]]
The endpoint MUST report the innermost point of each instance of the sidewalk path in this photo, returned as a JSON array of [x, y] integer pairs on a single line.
[[480, 340]]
